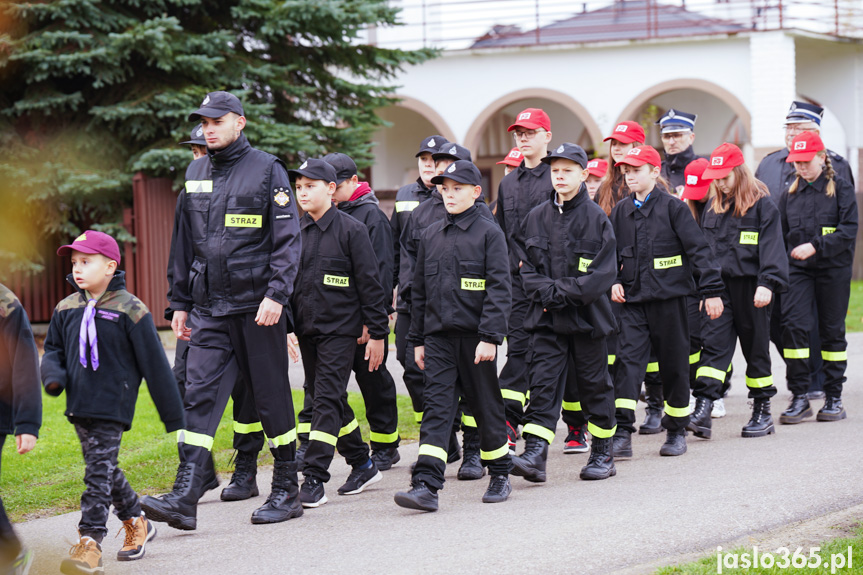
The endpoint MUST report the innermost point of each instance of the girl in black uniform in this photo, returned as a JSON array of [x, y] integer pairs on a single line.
[[742, 225], [819, 221]]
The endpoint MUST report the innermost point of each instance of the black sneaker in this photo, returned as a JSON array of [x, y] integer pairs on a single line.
[[360, 478], [385, 458], [498, 490], [420, 497], [576, 440], [511, 437], [312, 493]]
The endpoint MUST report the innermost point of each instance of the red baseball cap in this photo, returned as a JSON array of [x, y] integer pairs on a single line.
[[804, 146], [641, 155], [723, 159], [694, 185], [93, 242], [513, 158], [531, 119], [627, 132], [597, 167]]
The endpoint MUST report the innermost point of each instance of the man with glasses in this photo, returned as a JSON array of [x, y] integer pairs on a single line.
[[678, 133]]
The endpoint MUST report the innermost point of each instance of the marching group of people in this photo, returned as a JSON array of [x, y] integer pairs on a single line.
[[602, 275]]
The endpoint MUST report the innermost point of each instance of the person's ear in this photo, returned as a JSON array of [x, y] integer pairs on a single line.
[[584, 174], [477, 191], [241, 123], [331, 188], [548, 137], [111, 268]]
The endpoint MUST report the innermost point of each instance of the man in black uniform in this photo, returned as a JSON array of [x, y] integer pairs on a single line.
[[235, 260], [678, 134]]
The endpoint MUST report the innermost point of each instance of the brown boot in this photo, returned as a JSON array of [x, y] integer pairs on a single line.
[[138, 532], [85, 557]]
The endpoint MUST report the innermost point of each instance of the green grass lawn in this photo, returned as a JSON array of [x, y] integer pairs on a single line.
[[854, 319], [50, 479]]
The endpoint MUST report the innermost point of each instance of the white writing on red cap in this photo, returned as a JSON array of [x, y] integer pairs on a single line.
[[621, 128], [634, 152], [691, 180], [593, 164], [524, 116], [716, 161], [799, 145], [515, 154]]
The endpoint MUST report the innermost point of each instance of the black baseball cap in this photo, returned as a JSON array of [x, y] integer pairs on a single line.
[[431, 144], [314, 169], [345, 167], [568, 151], [197, 136], [462, 171], [216, 105], [452, 151]]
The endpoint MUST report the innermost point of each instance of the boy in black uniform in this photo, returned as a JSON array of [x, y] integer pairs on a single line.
[[20, 408], [568, 268], [100, 344], [461, 300], [337, 293]]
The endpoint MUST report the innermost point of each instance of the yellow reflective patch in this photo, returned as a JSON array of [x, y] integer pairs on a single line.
[[665, 263], [324, 437], [695, 357], [349, 427], [583, 263], [652, 367], [384, 437], [705, 371], [802, 353], [468, 420], [338, 281], [433, 451], [759, 382], [834, 355], [611, 359], [543, 432], [514, 396], [572, 406], [199, 187], [625, 403], [749, 238], [197, 439], [471, 284], [283, 439], [676, 411], [304, 427], [597, 431], [247, 427], [496, 454], [826, 231], [406, 206], [243, 221]]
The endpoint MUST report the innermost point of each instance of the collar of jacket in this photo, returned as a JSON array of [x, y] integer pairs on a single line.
[[231, 153], [681, 160], [422, 189], [629, 205], [323, 222], [537, 172], [117, 283], [819, 185], [464, 219], [572, 202], [361, 192]]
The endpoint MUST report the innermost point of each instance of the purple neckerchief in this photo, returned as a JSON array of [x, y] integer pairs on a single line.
[[88, 330]]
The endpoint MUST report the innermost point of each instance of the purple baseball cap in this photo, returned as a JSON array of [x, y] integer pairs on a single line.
[[93, 242]]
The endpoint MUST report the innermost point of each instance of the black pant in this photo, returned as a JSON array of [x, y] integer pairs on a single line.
[[223, 348], [10, 545], [327, 364], [106, 484], [830, 288], [740, 319], [448, 361], [413, 376], [514, 377], [816, 371], [697, 320], [664, 325], [553, 357], [571, 410]]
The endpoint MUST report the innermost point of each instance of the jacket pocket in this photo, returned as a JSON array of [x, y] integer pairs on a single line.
[[627, 264], [199, 218], [336, 273], [538, 254], [244, 217], [248, 275], [581, 255], [198, 282]]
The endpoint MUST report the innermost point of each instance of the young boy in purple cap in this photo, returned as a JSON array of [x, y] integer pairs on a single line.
[[337, 293], [461, 300], [100, 344]]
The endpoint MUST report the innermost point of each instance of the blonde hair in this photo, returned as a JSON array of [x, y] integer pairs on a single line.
[[745, 193], [829, 173]]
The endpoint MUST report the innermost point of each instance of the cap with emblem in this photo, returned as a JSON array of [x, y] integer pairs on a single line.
[[314, 169], [694, 185], [344, 165], [723, 159], [677, 121], [513, 158], [216, 105], [431, 144], [93, 242], [801, 112], [197, 137], [531, 119], [627, 132], [597, 167], [453, 152], [462, 171], [568, 151], [641, 155], [804, 147]]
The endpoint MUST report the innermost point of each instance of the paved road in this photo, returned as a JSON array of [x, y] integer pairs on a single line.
[[655, 509]]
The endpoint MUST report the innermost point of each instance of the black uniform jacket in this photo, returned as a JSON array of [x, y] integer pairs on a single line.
[[423, 217], [749, 246], [408, 198], [779, 174], [462, 284], [518, 193], [367, 210], [338, 290], [129, 350], [659, 247], [571, 264], [829, 224], [20, 394], [674, 165], [238, 237]]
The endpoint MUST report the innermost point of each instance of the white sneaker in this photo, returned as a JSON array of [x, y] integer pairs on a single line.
[[718, 409]]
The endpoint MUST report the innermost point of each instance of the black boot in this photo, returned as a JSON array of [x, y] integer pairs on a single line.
[[621, 444], [797, 411], [210, 479], [283, 503], [832, 410], [454, 450], [699, 422], [301, 453], [385, 458], [531, 463], [471, 467], [653, 416], [179, 508], [675, 442], [600, 464], [244, 484], [761, 423], [420, 497]]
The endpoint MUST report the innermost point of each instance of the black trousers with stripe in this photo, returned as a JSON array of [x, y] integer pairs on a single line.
[[413, 376], [515, 377]]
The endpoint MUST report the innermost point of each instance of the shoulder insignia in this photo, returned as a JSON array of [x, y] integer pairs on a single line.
[[125, 303], [281, 197]]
